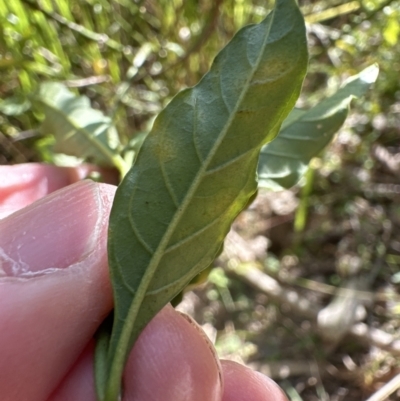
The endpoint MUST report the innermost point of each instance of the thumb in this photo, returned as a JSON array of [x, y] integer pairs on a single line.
[[54, 287]]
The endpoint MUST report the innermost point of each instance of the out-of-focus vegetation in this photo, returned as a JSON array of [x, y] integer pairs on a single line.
[[130, 57], [339, 229]]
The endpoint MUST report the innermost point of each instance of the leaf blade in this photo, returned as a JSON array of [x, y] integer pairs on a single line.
[[196, 171], [305, 133], [79, 130]]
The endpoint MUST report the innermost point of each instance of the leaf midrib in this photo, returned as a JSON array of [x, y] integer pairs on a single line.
[[124, 338], [159, 252]]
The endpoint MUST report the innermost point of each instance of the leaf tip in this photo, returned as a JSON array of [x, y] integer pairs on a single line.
[[370, 74]]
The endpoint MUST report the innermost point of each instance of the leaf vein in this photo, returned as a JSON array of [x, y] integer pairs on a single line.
[[141, 240], [191, 236], [228, 163], [220, 88], [168, 185], [194, 133], [185, 278], [119, 268]]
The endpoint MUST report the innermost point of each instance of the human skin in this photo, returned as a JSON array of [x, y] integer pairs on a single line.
[[55, 291]]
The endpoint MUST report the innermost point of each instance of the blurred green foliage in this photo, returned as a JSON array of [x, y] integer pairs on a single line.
[[131, 57], [128, 57]]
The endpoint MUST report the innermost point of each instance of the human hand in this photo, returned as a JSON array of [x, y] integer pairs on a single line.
[[55, 291]]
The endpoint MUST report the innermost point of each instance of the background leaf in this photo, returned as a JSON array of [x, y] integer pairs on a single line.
[[79, 129], [196, 171], [306, 132], [14, 106]]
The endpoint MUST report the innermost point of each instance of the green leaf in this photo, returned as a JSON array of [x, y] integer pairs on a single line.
[[79, 129], [15, 105], [305, 133], [195, 172]]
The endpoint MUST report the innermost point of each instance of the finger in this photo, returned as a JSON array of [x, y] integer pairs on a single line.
[[244, 384], [78, 384], [54, 287], [22, 184], [171, 361]]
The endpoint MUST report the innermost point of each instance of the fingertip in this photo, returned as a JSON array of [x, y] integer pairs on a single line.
[[243, 384], [107, 194], [56, 289], [172, 361], [58, 230]]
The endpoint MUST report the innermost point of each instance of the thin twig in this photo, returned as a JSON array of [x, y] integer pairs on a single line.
[[333, 12], [328, 289], [256, 278], [94, 80], [30, 133], [283, 369], [384, 392]]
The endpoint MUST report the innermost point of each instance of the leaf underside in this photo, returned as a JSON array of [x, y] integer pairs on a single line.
[[79, 130], [195, 172], [305, 133]]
